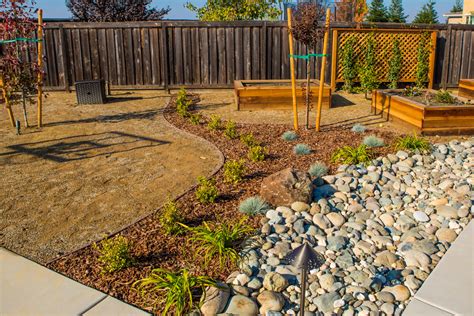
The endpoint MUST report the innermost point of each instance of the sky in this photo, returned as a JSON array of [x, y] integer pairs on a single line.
[[57, 8]]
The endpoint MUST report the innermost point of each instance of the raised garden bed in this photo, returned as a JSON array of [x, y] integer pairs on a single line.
[[436, 118], [276, 94], [466, 88]]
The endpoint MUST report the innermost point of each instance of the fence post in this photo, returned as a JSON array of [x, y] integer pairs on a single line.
[[164, 56], [64, 58], [263, 59], [447, 49]]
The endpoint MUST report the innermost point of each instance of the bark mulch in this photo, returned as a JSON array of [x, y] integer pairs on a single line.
[[152, 248]]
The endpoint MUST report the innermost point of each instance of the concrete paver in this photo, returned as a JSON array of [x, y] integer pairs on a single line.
[[28, 288], [449, 287]]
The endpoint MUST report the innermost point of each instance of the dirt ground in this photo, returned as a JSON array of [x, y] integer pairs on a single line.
[[91, 170]]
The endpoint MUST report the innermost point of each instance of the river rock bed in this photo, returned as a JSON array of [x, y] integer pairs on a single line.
[[381, 229]]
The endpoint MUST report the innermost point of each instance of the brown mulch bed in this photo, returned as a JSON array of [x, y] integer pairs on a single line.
[[152, 248]]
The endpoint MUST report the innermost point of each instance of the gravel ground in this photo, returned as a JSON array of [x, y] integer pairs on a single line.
[[92, 170]]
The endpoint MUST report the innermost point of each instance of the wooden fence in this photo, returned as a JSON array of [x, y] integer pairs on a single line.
[[154, 55]]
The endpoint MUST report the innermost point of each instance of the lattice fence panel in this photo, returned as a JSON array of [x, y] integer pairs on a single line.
[[384, 39]]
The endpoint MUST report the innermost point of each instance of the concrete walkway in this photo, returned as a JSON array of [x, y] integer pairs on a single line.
[[449, 288], [28, 288]]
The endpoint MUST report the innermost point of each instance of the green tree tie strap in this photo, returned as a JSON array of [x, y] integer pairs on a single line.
[[20, 39], [307, 56]]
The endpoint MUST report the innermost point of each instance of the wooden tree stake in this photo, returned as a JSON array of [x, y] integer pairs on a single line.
[[292, 70], [7, 103], [40, 66], [323, 70]]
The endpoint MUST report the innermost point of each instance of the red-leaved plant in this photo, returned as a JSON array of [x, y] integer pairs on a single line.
[[18, 59]]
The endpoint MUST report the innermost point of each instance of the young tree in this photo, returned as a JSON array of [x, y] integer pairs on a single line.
[[231, 10], [427, 14], [114, 10], [368, 71], [458, 6], [396, 13], [377, 12], [18, 68], [308, 28]]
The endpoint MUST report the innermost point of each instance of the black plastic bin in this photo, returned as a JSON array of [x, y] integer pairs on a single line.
[[91, 92]]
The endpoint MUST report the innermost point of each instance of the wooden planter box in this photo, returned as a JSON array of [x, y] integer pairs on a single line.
[[276, 94], [466, 88], [451, 119]]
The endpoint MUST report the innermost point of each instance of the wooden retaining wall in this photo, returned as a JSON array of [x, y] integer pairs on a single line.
[[168, 54]]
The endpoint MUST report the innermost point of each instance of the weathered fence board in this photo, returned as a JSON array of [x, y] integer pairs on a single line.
[[172, 54]]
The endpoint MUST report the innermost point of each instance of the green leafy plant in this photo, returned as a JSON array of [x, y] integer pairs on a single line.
[[257, 153], [443, 96], [231, 130], [358, 128], [289, 136], [178, 289], [368, 72], [170, 218], [318, 169], [395, 64], [423, 57], [301, 149], [253, 205], [234, 171], [232, 10], [249, 140], [373, 141], [114, 254], [195, 119], [352, 155], [220, 241], [349, 64], [412, 142], [206, 192], [214, 122], [411, 91], [182, 103]]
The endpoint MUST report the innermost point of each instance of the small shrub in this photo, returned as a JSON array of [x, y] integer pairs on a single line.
[[358, 128], [177, 290], [373, 141], [206, 191], [170, 218], [412, 143], [249, 140], [253, 205], [301, 149], [349, 64], [182, 103], [230, 130], [318, 169], [195, 119], [214, 123], [257, 153], [289, 136], [220, 241], [411, 91], [114, 254], [352, 155], [443, 96], [234, 171]]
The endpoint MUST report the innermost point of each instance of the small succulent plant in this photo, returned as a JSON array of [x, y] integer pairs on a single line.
[[289, 136], [318, 169], [253, 205], [358, 128], [373, 141], [301, 149]]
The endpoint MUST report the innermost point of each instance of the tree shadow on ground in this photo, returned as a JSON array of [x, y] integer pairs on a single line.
[[113, 118], [84, 146]]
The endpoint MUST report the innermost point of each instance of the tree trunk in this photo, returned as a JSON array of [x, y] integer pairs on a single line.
[[308, 84], [25, 115]]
